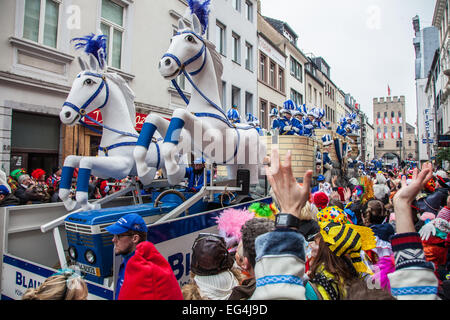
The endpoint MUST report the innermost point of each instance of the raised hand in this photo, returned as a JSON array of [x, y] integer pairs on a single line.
[[290, 196]]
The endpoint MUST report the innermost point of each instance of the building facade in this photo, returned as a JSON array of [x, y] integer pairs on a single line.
[[313, 85], [233, 29], [426, 43], [271, 72], [38, 66], [370, 142], [390, 128], [441, 22], [295, 61]]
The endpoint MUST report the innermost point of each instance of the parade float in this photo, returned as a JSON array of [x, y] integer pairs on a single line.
[[37, 240]]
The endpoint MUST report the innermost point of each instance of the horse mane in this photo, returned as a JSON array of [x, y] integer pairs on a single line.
[[127, 93], [218, 66]]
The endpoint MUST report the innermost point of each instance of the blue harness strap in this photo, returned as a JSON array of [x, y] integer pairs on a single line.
[[113, 146]]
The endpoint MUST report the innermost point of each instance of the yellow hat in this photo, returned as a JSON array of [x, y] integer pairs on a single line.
[[349, 239]]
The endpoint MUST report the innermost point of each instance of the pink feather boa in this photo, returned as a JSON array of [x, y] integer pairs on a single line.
[[230, 223]]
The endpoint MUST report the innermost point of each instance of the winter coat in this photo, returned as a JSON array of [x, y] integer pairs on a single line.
[[148, 276]]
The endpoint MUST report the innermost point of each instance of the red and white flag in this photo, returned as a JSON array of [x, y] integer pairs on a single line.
[[385, 120], [378, 120], [389, 91], [392, 120], [400, 120], [392, 135], [384, 136]]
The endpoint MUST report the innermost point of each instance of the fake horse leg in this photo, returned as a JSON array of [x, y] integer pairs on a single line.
[[65, 185], [144, 168], [103, 167], [171, 151]]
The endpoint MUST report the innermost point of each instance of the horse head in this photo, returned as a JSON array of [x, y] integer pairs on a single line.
[[89, 90], [187, 51]]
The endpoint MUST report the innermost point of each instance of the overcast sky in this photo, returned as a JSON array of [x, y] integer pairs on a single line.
[[367, 43]]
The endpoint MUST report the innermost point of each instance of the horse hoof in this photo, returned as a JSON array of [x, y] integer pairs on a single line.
[[91, 206], [147, 178], [70, 205], [177, 177]]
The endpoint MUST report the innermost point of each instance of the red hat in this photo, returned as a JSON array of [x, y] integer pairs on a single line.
[[36, 174], [148, 276], [104, 188], [321, 200]]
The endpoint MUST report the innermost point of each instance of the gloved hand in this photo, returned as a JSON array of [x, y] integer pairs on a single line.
[[296, 129], [426, 231], [287, 128]]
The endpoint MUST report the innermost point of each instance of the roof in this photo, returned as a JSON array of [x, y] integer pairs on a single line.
[[280, 26]]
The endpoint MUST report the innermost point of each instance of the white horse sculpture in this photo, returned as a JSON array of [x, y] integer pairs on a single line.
[[95, 88], [203, 125]]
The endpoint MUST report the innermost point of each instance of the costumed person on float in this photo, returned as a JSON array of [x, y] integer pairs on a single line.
[[318, 121], [195, 176], [299, 113], [233, 115], [326, 160], [253, 121], [308, 124], [274, 120], [289, 125]]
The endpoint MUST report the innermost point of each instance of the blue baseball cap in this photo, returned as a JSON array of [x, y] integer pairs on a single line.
[[320, 178], [4, 189], [129, 222]]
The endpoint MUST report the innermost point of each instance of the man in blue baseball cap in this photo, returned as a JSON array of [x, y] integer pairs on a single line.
[[128, 231], [144, 273]]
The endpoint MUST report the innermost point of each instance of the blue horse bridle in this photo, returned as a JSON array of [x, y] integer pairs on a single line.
[[182, 70], [82, 112]]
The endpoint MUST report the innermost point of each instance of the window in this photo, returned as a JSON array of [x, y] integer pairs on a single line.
[[224, 95], [392, 114], [249, 10], [262, 67], [236, 97], [41, 21], [385, 130], [236, 5], [309, 93], [236, 48], [380, 144], [409, 143], [393, 129], [272, 70], [263, 113], [220, 38], [385, 115], [113, 27], [378, 130], [248, 56], [315, 97], [296, 97], [399, 144], [280, 79], [248, 103], [320, 99], [296, 69]]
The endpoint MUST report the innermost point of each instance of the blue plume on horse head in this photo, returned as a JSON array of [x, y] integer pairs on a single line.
[[201, 10], [93, 44]]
